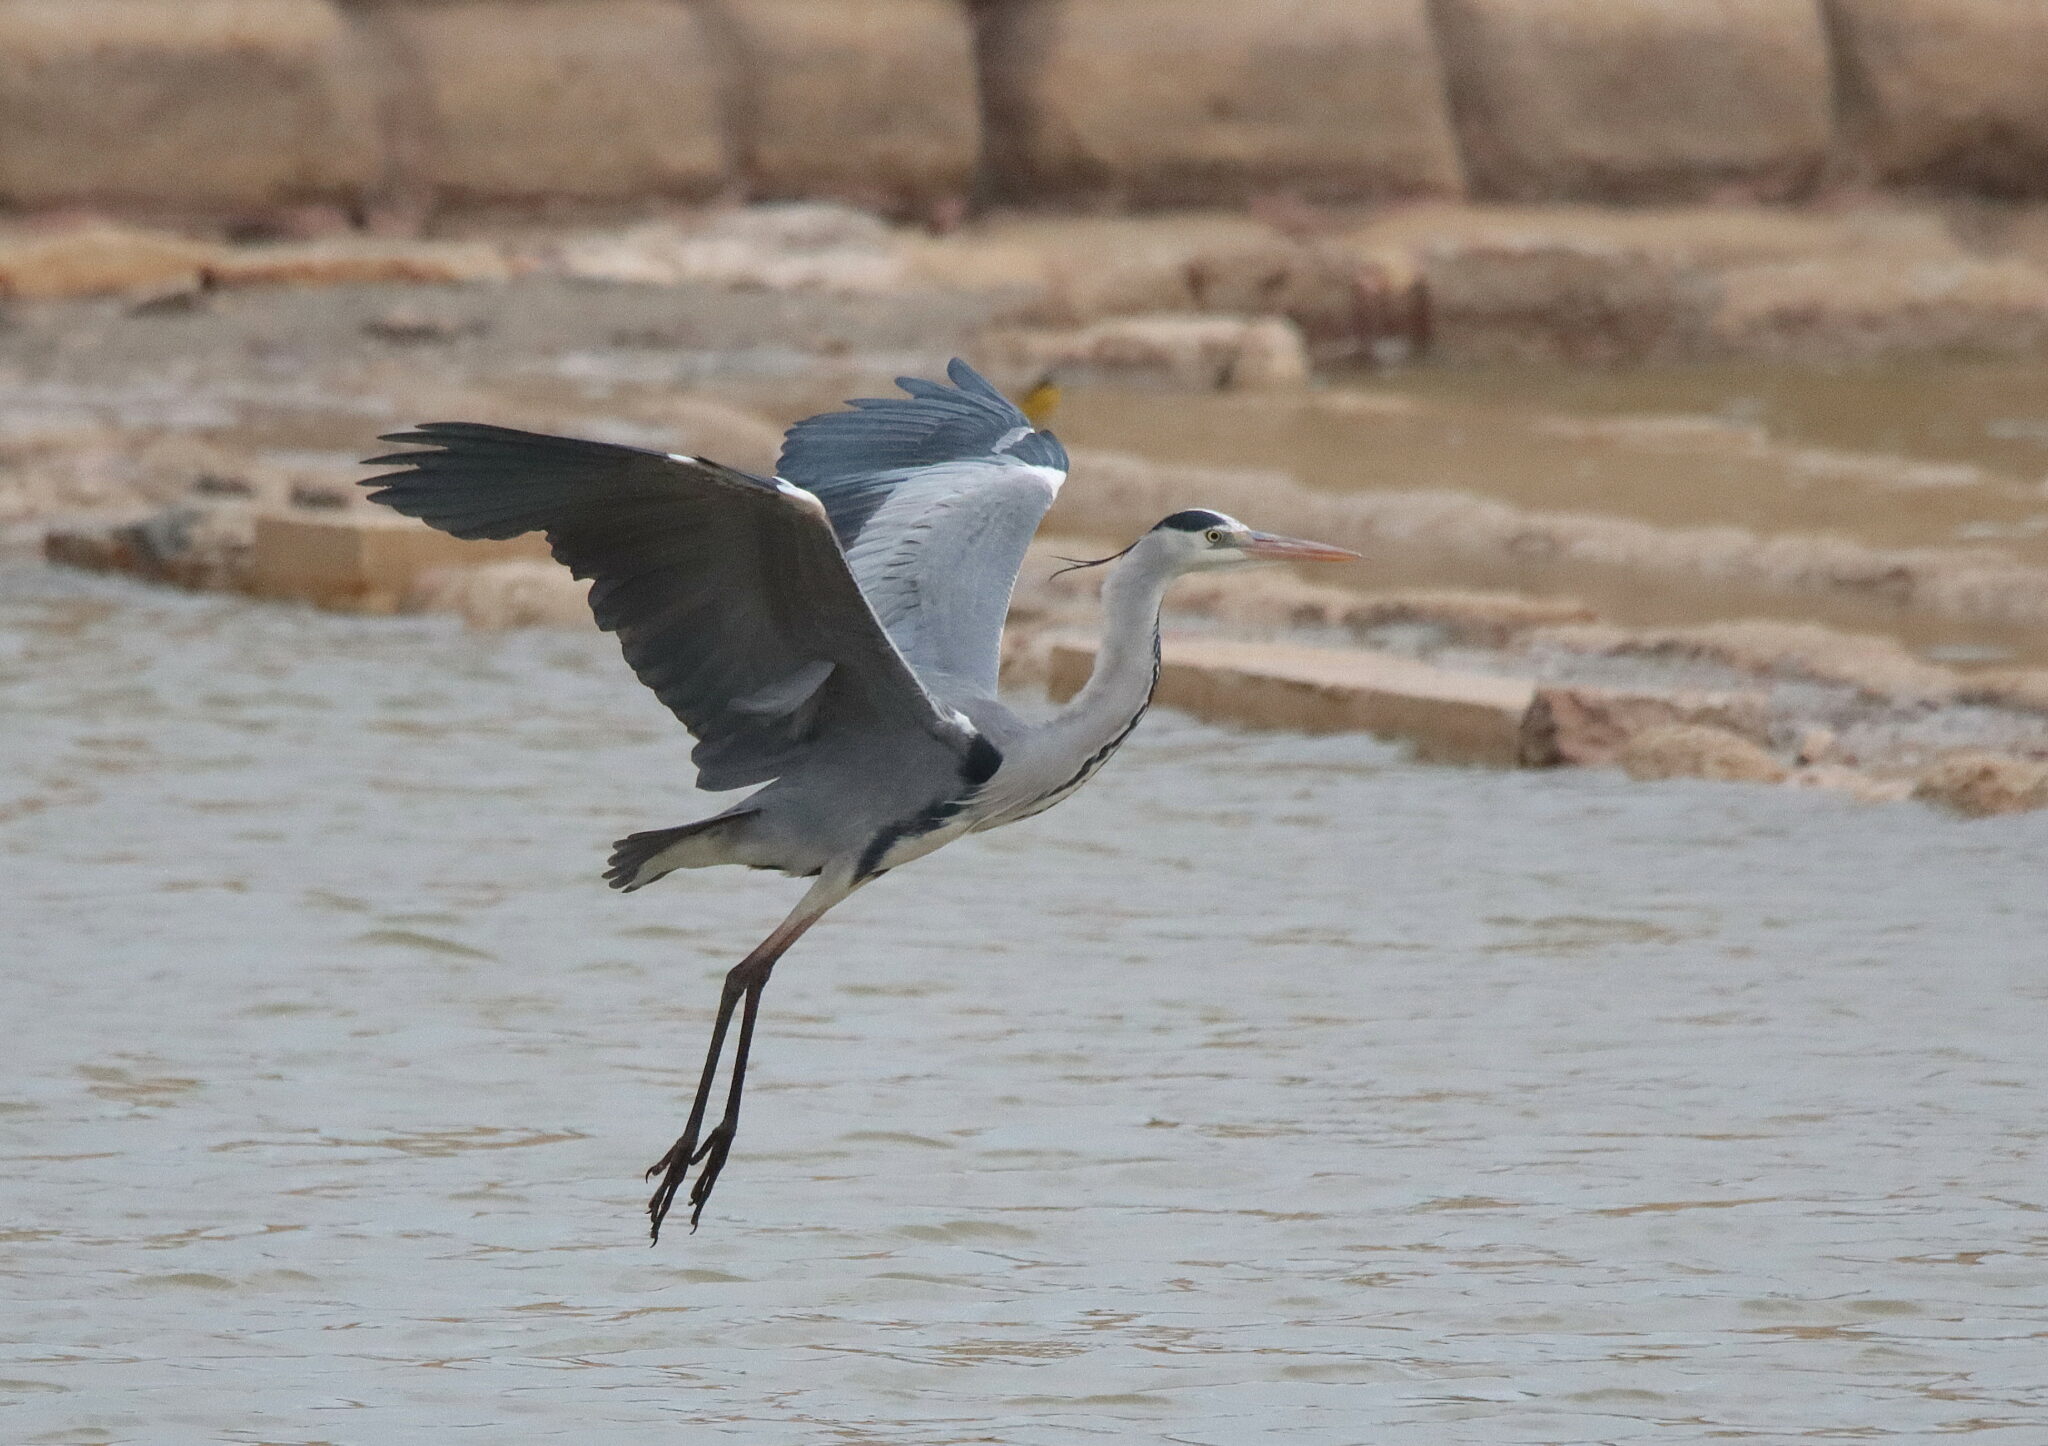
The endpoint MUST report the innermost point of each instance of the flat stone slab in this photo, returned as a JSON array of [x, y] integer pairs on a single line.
[[361, 561], [1451, 717]]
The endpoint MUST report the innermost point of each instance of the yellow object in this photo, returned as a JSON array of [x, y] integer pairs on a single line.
[[1041, 401]]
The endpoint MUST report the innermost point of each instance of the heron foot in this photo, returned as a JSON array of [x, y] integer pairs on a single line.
[[674, 1167]]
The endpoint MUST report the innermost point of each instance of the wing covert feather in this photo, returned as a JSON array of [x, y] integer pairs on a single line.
[[722, 587]]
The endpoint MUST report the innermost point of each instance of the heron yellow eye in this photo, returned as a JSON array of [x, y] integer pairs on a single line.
[[1214, 534]]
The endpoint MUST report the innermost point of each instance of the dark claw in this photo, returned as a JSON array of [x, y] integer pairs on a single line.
[[713, 1155]]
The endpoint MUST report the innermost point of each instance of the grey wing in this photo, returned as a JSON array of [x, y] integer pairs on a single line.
[[935, 497], [729, 594]]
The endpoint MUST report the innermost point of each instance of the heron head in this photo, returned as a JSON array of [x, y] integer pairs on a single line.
[[1201, 538]]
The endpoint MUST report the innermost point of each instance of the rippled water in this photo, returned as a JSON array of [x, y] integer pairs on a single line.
[[1272, 1090]]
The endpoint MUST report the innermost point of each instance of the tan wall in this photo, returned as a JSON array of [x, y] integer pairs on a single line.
[[520, 99], [239, 106], [1638, 99], [1216, 100], [868, 100], [204, 103], [1947, 93]]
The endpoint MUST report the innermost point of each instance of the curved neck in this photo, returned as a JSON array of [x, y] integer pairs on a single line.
[[1127, 664]]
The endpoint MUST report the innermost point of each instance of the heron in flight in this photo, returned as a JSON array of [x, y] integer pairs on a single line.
[[831, 637]]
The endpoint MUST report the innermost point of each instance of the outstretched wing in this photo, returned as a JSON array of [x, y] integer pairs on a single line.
[[934, 496], [729, 593]]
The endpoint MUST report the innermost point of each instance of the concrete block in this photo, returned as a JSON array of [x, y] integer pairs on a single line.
[[1946, 93], [1588, 726], [102, 260], [871, 101], [1451, 717], [363, 561], [182, 103], [529, 100], [1182, 102], [1638, 99]]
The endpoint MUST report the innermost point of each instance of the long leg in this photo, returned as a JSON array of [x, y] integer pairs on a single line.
[[743, 985]]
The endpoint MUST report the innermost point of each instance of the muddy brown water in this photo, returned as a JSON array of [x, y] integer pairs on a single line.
[[1271, 1090], [1949, 456]]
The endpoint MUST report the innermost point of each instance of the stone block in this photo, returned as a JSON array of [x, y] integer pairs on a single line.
[[102, 260], [361, 561], [1205, 101], [1638, 99], [531, 100], [1946, 93], [872, 101], [187, 104], [1450, 717]]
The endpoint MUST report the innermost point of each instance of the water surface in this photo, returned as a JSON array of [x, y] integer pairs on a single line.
[[1271, 1090]]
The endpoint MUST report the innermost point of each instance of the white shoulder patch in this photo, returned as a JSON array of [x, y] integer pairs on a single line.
[[1051, 476], [800, 495]]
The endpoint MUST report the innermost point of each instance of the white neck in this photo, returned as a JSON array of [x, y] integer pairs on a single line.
[[1126, 666]]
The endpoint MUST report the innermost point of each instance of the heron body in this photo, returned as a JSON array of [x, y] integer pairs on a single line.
[[831, 636]]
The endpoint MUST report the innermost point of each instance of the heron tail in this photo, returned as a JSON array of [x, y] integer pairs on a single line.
[[639, 859]]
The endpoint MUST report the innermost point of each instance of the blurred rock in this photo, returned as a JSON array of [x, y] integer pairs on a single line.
[[201, 544], [872, 101], [1491, 619], [1346, 304], [1205, 101], [357, 259], [1848, 308], [1200, 353], [798, 246], [2006, 687], [1588, 726], [412, 325], [1852, 782], [1947, 93], [1881, 668], [1816, 745], [1695, 750], [102, 259], [1553, 301], [578, 100], [516, 593], [1451, 717], [187, 103], [1982, 784], [1632, 100]]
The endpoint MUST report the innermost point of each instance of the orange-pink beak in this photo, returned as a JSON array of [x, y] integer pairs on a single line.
[[1294, 549]]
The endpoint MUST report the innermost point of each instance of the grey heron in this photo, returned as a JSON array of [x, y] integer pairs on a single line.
[[831, 635]]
